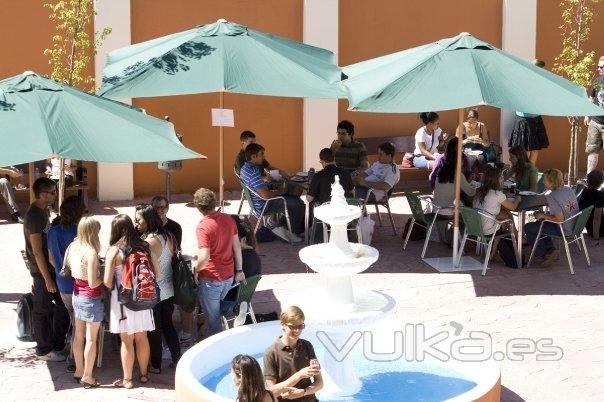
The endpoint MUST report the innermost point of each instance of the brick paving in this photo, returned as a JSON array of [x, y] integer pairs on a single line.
[[507, 303]]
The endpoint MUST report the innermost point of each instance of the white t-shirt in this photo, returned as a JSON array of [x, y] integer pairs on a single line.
[[380, 172], [430, 141], [491, 204], [55, 168]]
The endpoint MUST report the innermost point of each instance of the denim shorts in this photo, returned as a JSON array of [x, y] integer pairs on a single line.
[[88, 309]]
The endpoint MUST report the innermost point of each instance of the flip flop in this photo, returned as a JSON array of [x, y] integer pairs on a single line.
[[88, 385], [144, 378], [123, 383]]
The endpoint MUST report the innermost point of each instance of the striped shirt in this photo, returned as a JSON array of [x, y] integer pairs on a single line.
[[250, 176], [351, 156]]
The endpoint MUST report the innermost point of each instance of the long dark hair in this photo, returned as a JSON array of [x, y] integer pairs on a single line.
[[522, 161], [490, 182], [122, 229], [251, 386], [71, 211], [152, 219], [446, 174]]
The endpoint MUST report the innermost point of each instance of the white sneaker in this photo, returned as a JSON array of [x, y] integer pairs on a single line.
[[294, 237], [281, 232], [240, 319], [53, 356]]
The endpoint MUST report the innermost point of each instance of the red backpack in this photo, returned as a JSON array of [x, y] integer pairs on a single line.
[[138, 289]]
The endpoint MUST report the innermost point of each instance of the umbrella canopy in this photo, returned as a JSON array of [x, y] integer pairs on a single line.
[[461, 72], [221, 57], [40, 118]]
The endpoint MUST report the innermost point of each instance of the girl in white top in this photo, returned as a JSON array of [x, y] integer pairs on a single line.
[[426, 141], [133, 328], [149, 225]]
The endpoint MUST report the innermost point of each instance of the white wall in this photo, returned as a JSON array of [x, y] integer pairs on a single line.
[[519, 37], [115, 180], [320, 116]]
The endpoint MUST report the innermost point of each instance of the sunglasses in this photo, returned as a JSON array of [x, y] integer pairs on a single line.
[[600, 67], [296, 327]]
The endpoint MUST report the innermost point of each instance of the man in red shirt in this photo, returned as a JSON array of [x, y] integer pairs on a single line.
[[218, 257]]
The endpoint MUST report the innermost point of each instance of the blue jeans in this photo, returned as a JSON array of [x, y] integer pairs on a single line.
[[211, 294], [295, 209], [531, 229], [361, 192], [421, 162]]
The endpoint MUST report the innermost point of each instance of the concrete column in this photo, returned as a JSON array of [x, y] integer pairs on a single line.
[[320, 116], [519, 37], [115, 180]]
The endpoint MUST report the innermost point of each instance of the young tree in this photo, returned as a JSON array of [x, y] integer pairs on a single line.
[[574, 62], [72, 49]]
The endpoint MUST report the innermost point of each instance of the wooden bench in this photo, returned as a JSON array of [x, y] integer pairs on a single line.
[[77, 187], [414, 177]]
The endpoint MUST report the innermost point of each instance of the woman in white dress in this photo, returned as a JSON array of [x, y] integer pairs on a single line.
[[134, 325]]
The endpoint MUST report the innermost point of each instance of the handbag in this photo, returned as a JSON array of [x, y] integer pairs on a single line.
[[408, 160], [65, 271], [366, 225]]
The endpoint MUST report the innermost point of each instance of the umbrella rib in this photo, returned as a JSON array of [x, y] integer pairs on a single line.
[[474, 64]]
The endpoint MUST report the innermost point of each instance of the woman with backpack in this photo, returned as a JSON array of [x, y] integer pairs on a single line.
[[82, 258], [132, 325], [163, 246]]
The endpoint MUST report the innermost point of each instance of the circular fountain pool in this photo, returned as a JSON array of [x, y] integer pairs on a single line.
[[203, 373]]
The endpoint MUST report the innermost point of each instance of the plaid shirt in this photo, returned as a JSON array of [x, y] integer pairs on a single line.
[[351, 156]]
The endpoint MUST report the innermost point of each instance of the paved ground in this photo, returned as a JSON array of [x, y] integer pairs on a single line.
[[507, 304]]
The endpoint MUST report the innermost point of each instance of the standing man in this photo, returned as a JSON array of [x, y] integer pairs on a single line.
[[349, 154], [218, 257], [7, 192], [50, 317], [380, 177], [595, 124], [320, 185]]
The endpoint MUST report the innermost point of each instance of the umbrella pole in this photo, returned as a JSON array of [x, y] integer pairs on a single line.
[[61, 181], [458, 186], [221, 152], [32, 178]]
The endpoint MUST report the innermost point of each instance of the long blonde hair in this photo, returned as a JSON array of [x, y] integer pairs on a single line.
[[88, 233]]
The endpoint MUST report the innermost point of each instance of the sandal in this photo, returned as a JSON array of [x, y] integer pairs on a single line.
[[143, 378], [88, 385], [123, 383]]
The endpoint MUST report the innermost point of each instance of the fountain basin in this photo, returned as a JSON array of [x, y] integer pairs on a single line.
[[325, 259], [452, 381]]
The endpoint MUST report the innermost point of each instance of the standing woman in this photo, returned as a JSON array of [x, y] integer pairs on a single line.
[[83, 258], [133, 326], [149, 225], [529, 131]]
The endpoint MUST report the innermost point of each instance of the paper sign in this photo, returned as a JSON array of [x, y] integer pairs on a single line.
[[223, 118]]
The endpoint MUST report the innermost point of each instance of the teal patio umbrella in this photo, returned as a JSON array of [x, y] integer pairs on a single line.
[[40, 118], [221, 57], [457, 73]]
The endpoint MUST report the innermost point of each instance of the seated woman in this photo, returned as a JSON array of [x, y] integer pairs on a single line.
[[524, 172], [562, 204], [490, 199], [440, 161], [592, 195], [247, 376], [476, 136], [444, 189], [426, 141]]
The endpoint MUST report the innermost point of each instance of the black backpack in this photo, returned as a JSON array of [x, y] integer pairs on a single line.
[[184, 284], [25, 328], [505, 249]]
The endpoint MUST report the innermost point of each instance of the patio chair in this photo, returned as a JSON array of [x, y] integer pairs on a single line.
[[423, 219], [574, 236], [356, 228], [242, 192], [473, 221], [259, 215], [245, 291], [385, 202]]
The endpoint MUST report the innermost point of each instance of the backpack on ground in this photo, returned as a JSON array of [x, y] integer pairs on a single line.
[[25, 328], [184, 284], [138, 289], [505, 249], [418, 232]]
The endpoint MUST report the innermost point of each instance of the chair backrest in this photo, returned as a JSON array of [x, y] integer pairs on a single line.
[[581, 220], [416, 207], [472, 221], [540, 184], [579, 188], [246, 290], [247, 192]]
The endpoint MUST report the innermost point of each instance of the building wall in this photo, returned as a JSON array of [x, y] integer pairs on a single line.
[[26, 31], [549, 45], [277, 122], [373, 28]]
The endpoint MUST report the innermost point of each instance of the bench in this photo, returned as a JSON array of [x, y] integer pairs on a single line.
[[77, 187]]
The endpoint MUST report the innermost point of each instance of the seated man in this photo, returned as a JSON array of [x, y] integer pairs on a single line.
[[247, 137], [349, 154], [320, 185], [251, 178], [380, 177], [7, 192], [291, 368]]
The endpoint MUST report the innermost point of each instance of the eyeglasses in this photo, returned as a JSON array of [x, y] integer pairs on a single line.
[[161, 207], [53, 192], [342, 132], [296, 327]]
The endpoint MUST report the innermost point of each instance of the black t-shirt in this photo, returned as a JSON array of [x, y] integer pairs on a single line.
[[594, 197], [175, 229], [597, 95], [320, 185], [35, 221]]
